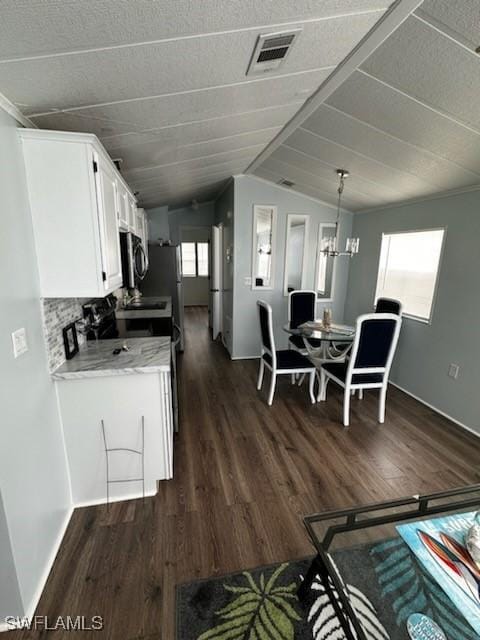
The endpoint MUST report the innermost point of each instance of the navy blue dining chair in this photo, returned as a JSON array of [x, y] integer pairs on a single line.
[[281, 362], [370, 361]]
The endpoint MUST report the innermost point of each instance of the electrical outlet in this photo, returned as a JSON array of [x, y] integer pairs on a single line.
[[453, 371], [247, 281], [20, 345]]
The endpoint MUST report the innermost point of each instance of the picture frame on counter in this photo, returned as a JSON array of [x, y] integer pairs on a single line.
[[70, 340]]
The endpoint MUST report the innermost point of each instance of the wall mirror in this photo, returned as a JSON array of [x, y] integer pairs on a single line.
[[295, 253], [325, 264], [263, 248]]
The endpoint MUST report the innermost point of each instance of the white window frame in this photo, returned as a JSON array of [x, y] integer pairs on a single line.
[[407, 315], [195, 243]]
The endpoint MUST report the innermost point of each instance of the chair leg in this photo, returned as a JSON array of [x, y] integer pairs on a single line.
[[292, 378], [311, 387], [360, 394], [381, 404], [346, 408], [301, 378], [260, 374], [272, 388], [322, 391]]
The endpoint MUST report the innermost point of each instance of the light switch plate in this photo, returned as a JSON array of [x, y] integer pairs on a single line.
[[20, 344], [247, 281], [453, 371]]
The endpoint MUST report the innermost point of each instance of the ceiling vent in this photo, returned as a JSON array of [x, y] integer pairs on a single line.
[[271, 51], [285, 183]]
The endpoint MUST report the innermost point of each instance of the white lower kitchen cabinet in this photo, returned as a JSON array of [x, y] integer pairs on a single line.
[[120, 401]]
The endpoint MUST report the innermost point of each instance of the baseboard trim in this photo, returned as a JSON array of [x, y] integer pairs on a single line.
[[433, 408], [30, 610], [94, 503], [244, 357]]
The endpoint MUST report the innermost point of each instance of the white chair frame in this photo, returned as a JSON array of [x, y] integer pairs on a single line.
[[350, 387], [311, 371]]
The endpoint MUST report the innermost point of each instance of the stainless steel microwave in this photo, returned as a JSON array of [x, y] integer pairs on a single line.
[[134, 260]]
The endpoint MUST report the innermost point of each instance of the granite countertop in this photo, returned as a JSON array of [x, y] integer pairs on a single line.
[[130, 314], [96, 359]]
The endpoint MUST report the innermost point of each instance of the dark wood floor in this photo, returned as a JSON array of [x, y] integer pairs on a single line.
[[245, 474]]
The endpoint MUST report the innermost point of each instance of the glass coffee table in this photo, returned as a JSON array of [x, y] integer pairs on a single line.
[[378, 564]]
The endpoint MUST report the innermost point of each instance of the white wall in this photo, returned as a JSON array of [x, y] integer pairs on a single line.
[[33, 471], [225, 215], [247, 192], [425, 351], [10, 599]]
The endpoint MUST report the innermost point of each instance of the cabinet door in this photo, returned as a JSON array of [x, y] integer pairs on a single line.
[[123, 207], [132, 208], [106, 184], [139, 223]]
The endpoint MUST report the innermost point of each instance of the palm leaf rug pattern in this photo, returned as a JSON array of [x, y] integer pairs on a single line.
[[261, 604], [409, 587], [325, 623], [260, 611]]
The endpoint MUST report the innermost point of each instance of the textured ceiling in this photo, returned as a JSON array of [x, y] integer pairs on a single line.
[[163, 83], [406, 123]]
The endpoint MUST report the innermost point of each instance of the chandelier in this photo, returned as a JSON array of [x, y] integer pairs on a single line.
[[330, 245]]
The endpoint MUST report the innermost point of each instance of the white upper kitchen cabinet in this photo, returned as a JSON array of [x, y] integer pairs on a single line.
[[73, 190], [141, 226], [139, 223], [124, 214], [132, 214]]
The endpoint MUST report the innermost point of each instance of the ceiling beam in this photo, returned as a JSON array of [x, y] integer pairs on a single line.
[[388, 23]]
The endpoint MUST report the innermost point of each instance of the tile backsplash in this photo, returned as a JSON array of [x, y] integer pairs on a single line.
[[57, 313]]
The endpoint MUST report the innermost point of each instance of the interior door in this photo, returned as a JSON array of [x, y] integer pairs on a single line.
[[216, 282], [106, 184]]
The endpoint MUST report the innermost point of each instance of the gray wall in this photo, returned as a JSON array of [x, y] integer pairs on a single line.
[[196, 291], [250, 191], [33, 471], [166, 223], [204, 216], [225, 215], [158, 227], [425, 351]]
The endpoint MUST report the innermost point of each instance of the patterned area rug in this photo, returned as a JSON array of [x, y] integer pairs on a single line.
[[261, 604]]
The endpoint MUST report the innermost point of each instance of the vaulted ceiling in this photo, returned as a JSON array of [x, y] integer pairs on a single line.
[[405, 123], [163, 84]]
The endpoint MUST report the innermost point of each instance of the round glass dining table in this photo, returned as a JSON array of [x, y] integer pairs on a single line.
[[330, 345]]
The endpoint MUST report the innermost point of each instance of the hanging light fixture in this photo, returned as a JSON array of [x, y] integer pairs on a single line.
[[330, 245]]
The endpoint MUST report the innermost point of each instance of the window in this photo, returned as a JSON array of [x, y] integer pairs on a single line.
[[194, 259], [189, 260], [202, 258], [408, 269]]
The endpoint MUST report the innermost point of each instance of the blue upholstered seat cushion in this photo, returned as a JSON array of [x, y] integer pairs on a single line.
[[297, 341], [289, 359], [339, 370]]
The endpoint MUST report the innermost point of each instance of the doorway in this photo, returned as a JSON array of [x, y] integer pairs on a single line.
[[195, 252]]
